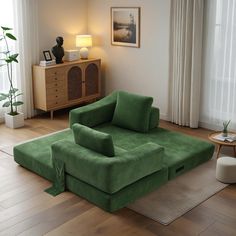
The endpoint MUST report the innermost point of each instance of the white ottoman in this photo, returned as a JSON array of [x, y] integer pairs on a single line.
[[226, 170]]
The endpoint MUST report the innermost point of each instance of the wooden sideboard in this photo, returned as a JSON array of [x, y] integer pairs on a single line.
[[67, 84]]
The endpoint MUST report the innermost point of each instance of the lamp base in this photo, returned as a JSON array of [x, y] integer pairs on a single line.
[[83, 53]]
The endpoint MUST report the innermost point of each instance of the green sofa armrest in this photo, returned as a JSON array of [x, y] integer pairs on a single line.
[[108, 174], [96, 113]]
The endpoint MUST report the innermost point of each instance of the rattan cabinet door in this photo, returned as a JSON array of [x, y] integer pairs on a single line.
[[74, 83], [91, 79]]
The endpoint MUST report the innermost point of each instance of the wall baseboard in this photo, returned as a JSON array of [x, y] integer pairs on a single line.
[[215, 127], [1, 120], [164, 117]]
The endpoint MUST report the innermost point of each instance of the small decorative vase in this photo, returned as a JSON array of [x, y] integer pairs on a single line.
[[225, 133]]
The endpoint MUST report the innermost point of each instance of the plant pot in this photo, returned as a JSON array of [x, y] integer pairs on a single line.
[[14, 122]]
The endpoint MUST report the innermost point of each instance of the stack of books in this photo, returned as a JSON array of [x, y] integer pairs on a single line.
[[47, 63], [230, 138]]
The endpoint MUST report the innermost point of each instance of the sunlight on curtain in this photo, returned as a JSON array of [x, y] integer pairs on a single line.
[[185, 61], [26, 25], [6, 19], [219, 74]]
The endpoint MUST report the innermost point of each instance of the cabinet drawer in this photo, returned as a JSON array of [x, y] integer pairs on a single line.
[[56, 84], [55, 78], [55, 102], [55, 72], [56, 90]]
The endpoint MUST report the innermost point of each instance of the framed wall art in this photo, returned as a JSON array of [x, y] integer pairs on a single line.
[[125, 26]]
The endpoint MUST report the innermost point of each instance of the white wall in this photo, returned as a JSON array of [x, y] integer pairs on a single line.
[[64, 18], [143, 70]]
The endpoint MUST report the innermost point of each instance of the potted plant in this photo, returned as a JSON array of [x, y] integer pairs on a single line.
[[13, 119]]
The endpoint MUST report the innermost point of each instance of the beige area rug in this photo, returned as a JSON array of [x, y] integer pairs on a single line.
[[180, 195]]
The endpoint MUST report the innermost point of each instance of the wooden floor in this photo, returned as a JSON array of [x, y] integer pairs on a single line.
[[25, 209]]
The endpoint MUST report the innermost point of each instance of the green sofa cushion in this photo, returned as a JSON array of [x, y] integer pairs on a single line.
[[132, 111], [94, 140]]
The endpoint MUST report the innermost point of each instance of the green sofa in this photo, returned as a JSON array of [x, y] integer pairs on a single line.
[[113, 153]]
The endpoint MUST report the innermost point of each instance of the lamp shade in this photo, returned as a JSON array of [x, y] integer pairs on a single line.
[[83, 41]]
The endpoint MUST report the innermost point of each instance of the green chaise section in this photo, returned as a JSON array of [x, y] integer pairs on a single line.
[[36, 155]]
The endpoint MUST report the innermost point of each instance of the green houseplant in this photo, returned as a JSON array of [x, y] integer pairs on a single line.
[[14, 118]]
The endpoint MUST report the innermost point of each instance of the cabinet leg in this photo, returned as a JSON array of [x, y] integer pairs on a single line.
[[51, 115]]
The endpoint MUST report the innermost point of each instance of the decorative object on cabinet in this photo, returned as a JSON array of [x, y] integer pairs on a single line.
[[47, 63], [58, 50], [47, 55], [125, 26], [71, 55], [83, 42], [64, 85]]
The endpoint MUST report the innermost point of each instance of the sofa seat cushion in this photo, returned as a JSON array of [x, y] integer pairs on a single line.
[[92, 139], [132, 111], [181, 152]]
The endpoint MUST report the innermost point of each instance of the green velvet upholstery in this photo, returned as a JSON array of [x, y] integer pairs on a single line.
[[115, 201], [143, 161], [181, 152], [108, 174], [132, 111], [103, 109], [35, 155], [97, 141], [154, 118]]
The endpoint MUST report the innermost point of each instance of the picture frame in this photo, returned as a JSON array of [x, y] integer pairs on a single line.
[[47, 55], [125, 26]]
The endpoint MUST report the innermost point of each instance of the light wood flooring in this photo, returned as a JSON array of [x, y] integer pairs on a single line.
[[25, 209]]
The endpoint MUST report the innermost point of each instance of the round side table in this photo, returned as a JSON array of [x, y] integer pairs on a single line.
[[219, 143]]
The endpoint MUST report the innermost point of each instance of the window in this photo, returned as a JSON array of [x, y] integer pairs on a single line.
[[219, 75]]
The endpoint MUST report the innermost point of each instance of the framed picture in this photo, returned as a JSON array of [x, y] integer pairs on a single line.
[[125, 26], [47, 55]]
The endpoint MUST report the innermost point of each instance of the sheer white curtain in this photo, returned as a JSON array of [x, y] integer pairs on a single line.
[[185, 64], [26, 24], [219, 74]]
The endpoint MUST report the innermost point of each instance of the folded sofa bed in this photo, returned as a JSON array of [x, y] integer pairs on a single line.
[[113, 153]]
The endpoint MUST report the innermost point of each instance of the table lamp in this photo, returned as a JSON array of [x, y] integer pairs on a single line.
[[83, 42]]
